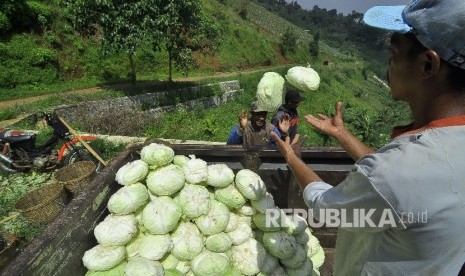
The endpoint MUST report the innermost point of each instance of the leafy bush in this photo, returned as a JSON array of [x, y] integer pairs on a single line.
[[53, 39], [5, 24], [40, 13], [41, 57]]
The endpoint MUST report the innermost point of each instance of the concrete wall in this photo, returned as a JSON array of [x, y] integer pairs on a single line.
[[155, 103]]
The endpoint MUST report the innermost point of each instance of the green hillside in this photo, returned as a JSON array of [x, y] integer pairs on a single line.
[[49, 54]]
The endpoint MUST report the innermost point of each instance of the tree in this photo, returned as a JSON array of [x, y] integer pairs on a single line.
[[177, 25], [125, 23], [289, 41], [185, 30], [16, 16], [314, 46]]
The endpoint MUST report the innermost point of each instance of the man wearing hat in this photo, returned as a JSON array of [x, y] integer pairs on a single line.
[[256, 132], [411, 191], [288, 111]]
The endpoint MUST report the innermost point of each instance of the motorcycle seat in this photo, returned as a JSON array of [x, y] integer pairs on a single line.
[[14, 136]]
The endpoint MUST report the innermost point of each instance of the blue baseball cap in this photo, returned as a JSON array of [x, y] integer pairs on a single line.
[[438, 24]]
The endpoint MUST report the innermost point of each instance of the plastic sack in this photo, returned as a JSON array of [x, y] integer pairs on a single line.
[[270, 92], [305, 79]]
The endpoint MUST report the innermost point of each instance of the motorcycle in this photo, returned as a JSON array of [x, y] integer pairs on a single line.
[[19, 152]]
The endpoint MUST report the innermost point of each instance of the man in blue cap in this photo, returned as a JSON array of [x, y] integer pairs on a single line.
[[411, 192]]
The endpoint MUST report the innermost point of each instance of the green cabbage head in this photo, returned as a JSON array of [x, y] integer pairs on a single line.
[[210, 264], [298, 259], [138, 266], [319, 258], [280, 244], [183, 266], [278, 271], [296, 225], [250, 184], [116, 230], [154, 247], [264, 203], [195, 171], [132, 248], [220, 175], [173, 272], [260, 220], [233, 222], [169, 261], [248, 257], [132, 172], [180, 160], [187, 241], [166, 180], [218, 243], [270, 92], [230, 196], [101, 258], [303, 78], [194, 201], [117, 270], [157, 154], [269, 264], [215, 221], [128, 199], [304, 270], [241, 234], [161, 215]]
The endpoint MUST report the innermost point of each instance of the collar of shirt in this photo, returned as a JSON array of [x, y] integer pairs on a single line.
[[445, 122]]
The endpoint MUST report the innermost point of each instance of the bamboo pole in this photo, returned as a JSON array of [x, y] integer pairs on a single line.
[[12, 216], [89, 148]]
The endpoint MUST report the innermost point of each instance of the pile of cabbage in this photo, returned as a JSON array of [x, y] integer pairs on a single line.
[[177, 215]]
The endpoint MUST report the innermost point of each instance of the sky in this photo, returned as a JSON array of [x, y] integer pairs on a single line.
[[347, 6]]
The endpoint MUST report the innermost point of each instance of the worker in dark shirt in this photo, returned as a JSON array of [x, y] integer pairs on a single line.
[[288, 111]]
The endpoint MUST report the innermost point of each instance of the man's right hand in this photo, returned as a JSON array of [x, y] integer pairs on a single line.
[[333, 127]]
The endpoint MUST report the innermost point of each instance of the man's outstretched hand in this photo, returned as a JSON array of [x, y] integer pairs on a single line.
[[330, 126], [335, 128]]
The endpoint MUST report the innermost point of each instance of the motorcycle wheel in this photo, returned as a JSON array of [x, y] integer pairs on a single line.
[[84, 155]]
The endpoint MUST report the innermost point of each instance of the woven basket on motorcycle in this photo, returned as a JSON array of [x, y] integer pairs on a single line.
[[43, 204], [76, 176]]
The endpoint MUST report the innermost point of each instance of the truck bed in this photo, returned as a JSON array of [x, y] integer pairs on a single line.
[[60, 247]]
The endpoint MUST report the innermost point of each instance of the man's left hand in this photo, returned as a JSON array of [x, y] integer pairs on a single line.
[[284, 125]]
